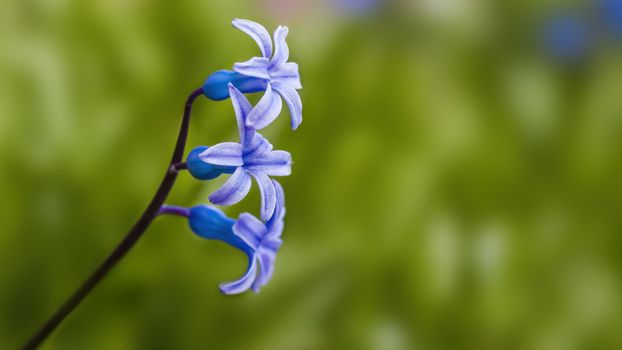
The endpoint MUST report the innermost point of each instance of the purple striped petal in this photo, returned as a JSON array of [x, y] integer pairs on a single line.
[[266, 269], [279, 211], [257, 32], [249, 229], [266, 110], [255, 67], [268, 195], [245, 282], [275, 163], [225, 154], [233, 190], [275, 229], [287, 75], [257, 147], [281, 50], [242, 107], [292, 99]]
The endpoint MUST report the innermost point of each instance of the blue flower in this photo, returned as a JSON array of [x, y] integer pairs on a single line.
[[251, 157], [271, 72], [610, 13], [567, 37], [259, 241]]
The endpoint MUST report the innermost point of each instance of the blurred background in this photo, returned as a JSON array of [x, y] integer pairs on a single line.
[[456, 181]]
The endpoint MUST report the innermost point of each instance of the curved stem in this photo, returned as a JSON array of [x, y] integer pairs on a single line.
[[180, 166], [130, 239], [174, 210]]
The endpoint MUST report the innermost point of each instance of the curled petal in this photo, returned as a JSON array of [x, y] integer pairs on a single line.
[[257, 32], [245, 282], [258, 146], [266, 110], [287, 74], [266, 268], [225, 154], [233, 190], [281, 50], [292, 99], [242, 107], [249, 229], [255, 67], [279, 210], [268, 195], [275, 163]]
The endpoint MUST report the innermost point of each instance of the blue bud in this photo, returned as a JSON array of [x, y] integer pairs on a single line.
[[211, 223], [216, 87], [204, 171]]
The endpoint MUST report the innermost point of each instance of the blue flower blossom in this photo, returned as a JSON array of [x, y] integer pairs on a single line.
[[610, 14], [252, 157], [271, 73], [567, 37], [259, 241]]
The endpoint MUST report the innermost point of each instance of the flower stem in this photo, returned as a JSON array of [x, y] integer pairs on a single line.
[[130, 239], [174, 210]]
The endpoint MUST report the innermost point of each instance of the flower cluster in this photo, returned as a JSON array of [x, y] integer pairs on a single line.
[[253, 157]]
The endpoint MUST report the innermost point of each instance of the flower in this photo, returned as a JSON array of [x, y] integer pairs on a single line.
[[271, 73], [251, 157], [259, 241], [610, 14], [567, 37]]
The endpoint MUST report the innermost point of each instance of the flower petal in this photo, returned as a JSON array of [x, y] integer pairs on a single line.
[[268, 195], [292, 99], [256, 147], [281, 50], [266, 110], [242, 107], [233, 190], [257, 32], [255, 67], [225, 154], [287, 74], [279, 211], [275, 163], [250, 229], [245, 282], [266, 269]]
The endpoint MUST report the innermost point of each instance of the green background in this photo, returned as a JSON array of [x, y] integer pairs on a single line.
[[453, 186]]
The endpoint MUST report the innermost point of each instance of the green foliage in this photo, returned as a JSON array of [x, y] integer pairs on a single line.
[[452, 187]]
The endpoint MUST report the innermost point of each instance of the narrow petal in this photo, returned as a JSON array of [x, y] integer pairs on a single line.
[[233, 190], [281, 50], [275, 163], [258, 146], [292, 99], [275, 229], [268, 195], [225, 154], [249, 229], [242, 107], [279, 209], [266, 269], [266, 110], [271, 244], [245, 282], [255, 67], [257, 32], [287, 74]]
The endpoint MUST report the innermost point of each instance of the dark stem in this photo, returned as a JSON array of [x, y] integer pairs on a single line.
[[174, 210], [130, 239], [181, 166]]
